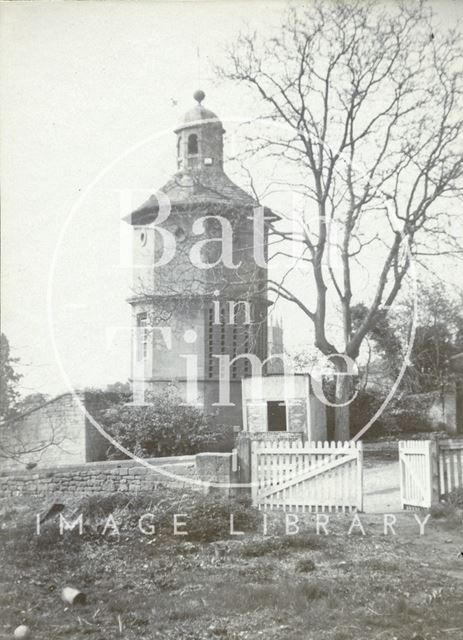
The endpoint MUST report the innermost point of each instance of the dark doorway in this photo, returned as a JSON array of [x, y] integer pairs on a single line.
[[276, 415], [330, 422]]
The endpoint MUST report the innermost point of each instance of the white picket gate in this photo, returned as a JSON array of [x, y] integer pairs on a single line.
[[417, 478], [311, 476]]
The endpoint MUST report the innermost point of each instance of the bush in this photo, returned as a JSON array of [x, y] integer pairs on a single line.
[[403, 414], [279, 545], [305, 565], [440, 510], [283, 599], [411, 414], [362, 409], [163, 427], [450, 508], [455, 498], [450, 511], [260, 572], [208, 517]]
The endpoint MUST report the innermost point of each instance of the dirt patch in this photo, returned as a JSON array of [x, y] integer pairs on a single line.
[[381, 485]]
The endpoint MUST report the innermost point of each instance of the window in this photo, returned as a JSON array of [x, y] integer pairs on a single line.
[[276, 415], [142, 335], [192, 144]]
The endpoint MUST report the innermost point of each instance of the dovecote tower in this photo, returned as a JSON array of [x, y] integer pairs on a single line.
[[191, 308]]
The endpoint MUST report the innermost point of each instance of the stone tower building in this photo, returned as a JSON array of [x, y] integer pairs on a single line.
[[189, 308]]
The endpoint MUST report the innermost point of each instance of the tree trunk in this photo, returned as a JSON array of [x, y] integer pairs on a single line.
[[344, 393]]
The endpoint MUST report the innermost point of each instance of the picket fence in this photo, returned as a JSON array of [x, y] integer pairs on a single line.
[[450, 466], [310, 476]]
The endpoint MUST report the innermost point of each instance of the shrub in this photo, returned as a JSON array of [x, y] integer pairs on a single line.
[[208, 517], [403, 414], [362, 409], [449, 510], [441, 510], [305, 565], [260, 572], [102, 505], [411, 412], [163, 427], [280, 545], [455, 498], [285, 596], [312, 591]]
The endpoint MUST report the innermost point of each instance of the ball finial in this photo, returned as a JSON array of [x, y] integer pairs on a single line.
[[199, 96]]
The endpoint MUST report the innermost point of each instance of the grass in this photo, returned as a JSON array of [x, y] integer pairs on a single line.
[[212, 585], [279, 545]]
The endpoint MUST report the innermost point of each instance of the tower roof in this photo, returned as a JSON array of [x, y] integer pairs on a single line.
[[197, 114], [185, 190], [199, 185]]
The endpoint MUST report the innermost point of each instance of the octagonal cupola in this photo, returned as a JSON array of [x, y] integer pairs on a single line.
[[200, 139]]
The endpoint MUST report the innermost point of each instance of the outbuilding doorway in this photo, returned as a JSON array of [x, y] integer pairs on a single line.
[[276, 415]]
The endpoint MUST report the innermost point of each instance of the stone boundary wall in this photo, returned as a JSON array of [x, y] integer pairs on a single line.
[[126, 476]]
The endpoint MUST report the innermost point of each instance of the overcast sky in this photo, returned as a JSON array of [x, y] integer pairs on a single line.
[[90, 94]]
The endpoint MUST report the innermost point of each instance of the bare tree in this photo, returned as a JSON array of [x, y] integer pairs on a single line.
[[362, 101], [24, 448], [9, 379]]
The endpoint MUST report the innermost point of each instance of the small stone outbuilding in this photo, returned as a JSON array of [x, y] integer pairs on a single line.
[[283, 404]]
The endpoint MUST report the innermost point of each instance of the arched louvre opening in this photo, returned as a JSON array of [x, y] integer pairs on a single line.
[[192, 144]]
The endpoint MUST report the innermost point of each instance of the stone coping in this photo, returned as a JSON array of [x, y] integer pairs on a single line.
[[100, 466]]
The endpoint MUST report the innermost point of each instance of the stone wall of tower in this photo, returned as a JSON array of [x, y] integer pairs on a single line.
[[163, 348], [182, 306], [187, 231], [179, 297]]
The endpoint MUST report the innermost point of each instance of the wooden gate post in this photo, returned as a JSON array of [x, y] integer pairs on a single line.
[[243, 448], [359, 475], [434, 488]]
